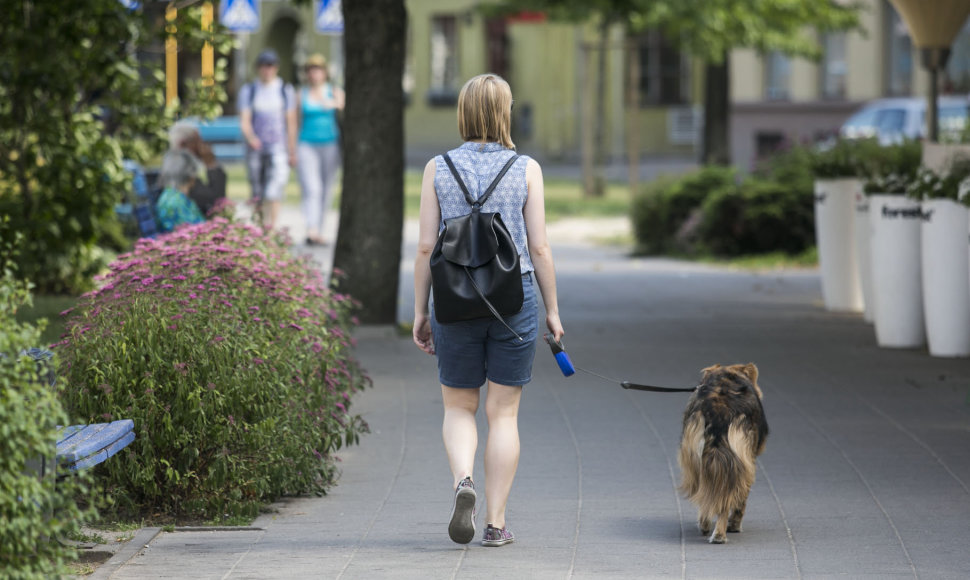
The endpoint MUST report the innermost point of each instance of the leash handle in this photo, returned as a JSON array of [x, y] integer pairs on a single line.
[[562, 359]]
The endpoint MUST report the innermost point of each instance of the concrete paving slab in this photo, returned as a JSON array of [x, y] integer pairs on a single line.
[[865, 473]]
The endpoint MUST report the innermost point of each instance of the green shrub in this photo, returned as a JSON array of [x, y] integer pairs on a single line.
[[758, 217], [706, 212], [844, 158], [33, 512], [893, 168], [661, 209], [232, 358], [793, 167]]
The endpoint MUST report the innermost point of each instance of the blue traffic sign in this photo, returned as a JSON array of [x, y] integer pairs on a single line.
[[239, 15], [330, 18]]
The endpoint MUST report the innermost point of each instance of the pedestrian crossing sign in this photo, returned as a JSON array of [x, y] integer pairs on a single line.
[[240, 15], [330, 18]]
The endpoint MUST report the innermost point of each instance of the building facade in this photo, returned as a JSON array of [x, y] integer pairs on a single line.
[[652, 92], [552, 68], [777, 100]]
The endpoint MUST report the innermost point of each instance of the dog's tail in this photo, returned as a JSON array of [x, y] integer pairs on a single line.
[[717, 476]]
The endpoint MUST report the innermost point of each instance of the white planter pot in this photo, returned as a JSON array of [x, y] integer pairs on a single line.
[[946, 278], [834, 221], [896, 282], [863, 243]]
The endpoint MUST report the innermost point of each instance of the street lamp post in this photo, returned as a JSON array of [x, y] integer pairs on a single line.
[[933, 24]]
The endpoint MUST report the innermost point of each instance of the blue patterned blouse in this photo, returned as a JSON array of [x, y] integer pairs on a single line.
[[478, 164], [174, 208]]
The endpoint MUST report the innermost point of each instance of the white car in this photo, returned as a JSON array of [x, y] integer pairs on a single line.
[[893, 120]]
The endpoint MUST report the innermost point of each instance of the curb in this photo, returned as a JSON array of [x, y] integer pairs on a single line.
[[131, 549]]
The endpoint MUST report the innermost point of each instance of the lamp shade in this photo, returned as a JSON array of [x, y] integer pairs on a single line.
[[933, 23]]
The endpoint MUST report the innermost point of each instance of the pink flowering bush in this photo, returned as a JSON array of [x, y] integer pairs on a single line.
[[233, 359]]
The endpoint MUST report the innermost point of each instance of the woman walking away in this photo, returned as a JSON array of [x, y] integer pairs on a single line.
[[318, 152], [474, 352]]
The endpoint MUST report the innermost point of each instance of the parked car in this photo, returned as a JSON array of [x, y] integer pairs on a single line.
[[893, 120]]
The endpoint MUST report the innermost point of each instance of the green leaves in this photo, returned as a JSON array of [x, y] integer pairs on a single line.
[[79, 93], [33, 511], [711, 212], [709, 29], [845, 158], [948, 183], [233, 359]]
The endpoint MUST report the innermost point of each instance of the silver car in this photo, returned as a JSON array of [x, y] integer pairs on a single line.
[[893, 120]]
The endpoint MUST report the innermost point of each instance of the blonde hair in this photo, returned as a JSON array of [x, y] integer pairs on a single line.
[[485, 110]]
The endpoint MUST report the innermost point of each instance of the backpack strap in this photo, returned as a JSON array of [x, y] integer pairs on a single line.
[[476, 204], [252, 95], [484, 197]]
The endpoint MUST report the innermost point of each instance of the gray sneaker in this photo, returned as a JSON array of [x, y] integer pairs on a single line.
[[462, 526], [497, 536]]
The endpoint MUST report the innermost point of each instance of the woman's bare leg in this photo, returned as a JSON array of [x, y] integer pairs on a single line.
[[459, 430], [502, 448]]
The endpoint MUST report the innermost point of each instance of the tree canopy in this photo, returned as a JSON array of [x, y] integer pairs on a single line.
[[81, 89], [709, 29]]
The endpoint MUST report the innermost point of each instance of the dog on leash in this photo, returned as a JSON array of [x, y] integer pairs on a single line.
[[724, 433]]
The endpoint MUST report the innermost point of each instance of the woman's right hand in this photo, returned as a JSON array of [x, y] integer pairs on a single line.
[[555, 326], [255, 144], [422, 333]]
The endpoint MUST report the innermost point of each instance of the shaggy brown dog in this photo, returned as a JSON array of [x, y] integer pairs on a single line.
[[724, 433]]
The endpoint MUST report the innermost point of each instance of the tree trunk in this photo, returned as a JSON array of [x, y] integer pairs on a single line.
[[599, 144], [633, 115], [717, 109], [372, 203]]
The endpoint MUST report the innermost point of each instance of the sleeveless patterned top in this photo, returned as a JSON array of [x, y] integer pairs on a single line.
[[478, 164]]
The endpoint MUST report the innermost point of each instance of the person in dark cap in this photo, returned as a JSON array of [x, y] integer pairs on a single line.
[[267, 117]]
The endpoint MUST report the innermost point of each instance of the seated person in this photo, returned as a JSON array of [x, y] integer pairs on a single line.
[[184, 136], [174, 207]]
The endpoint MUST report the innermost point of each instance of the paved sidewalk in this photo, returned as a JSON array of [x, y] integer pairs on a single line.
[[866, 473]]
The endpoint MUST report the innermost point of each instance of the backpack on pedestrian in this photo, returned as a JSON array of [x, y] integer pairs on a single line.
[[475, 270]]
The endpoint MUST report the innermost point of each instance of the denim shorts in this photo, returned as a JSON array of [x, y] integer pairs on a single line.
[[471, 351]]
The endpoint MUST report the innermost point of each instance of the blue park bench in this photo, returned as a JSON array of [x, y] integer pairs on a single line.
[[82, 446], [225, 137]]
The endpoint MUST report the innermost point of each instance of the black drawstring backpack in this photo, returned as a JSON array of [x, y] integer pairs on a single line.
[[474, 264]]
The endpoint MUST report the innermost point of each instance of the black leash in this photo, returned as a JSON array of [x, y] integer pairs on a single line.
[[568, 368]]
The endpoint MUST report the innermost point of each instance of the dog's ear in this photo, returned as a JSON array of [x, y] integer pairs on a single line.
[[751, 371], [709, 370]]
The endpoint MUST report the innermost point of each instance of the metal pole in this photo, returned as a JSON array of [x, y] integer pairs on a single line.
[[208, 54], [171, 56], [934, 59]]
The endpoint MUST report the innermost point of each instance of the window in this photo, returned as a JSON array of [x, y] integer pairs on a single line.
[[663, 71], [956, 76], [891, 122], [899, 77], [444, 61], [833, 66], [777, 76]]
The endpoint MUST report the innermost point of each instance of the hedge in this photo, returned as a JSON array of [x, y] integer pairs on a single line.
[[33, 511], [233, 359]]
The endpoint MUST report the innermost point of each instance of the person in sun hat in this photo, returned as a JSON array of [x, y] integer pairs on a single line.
[[318, 151]]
